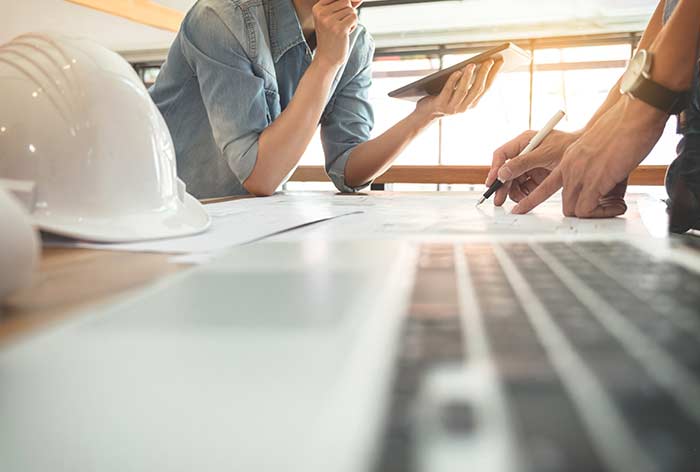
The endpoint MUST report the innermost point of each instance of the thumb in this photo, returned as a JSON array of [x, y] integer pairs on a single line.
[[517, 166]]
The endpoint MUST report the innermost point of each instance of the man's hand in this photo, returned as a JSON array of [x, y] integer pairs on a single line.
[[334, 20], [523, 174], [594, 169], [460, 92]]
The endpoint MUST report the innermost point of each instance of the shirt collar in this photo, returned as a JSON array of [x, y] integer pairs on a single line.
[[284, 27]]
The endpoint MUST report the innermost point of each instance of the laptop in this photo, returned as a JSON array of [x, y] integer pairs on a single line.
[[481, 353]]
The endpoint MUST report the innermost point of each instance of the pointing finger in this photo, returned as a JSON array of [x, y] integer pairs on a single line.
[[546, 189]]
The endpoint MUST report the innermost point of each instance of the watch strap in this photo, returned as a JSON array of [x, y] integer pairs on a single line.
[[661, 97]]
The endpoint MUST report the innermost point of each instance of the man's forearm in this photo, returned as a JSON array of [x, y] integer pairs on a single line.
[[372, 158], [676, 47], [283, 143]]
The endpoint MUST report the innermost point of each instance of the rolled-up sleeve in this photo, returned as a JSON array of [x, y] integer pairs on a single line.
[[234, 97], [347, 122]]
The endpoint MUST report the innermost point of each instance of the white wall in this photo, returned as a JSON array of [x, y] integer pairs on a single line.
[[20, 16]]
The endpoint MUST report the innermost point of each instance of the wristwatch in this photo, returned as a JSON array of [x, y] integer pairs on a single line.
[[637, 83]]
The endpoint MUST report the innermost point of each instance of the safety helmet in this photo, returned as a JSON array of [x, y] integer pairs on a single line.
[[86, 146], [19, 246]]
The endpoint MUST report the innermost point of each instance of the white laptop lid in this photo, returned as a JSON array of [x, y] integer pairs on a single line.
[[267, 360]]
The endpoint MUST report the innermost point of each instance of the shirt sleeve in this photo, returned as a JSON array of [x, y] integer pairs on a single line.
[[347, 122], [234, 97]]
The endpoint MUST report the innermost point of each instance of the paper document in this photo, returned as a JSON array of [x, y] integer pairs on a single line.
[[233, 223], [389, 215], [393, 215]]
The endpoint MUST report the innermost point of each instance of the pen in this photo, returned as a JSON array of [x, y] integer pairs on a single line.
[[534, 142]]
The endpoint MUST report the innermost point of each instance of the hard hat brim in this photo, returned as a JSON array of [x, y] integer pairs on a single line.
[[185, 219]]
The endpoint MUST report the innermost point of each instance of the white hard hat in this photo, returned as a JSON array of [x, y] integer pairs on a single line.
[[87, 147], [19, 246]]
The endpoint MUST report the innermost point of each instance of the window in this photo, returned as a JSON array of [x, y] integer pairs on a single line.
[[576, 79], [148, 72], [471, 138], [390, 73]]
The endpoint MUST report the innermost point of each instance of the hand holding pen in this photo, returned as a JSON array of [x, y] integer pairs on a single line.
[[534, 142]]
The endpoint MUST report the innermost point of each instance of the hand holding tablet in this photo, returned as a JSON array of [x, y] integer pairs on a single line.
[[461, 92], [508, 55]]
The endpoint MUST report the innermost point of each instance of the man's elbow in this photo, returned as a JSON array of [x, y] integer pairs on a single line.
[[353, 183], [259, 187]]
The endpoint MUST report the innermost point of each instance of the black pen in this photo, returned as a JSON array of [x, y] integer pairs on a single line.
[[534, 142]]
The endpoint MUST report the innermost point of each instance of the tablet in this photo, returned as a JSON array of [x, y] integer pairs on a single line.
[[511, 55]]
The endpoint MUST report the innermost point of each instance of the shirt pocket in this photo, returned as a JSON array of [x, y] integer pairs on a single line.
[[273, 105]]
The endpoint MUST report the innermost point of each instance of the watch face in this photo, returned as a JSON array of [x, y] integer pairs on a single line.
[[634, 72]]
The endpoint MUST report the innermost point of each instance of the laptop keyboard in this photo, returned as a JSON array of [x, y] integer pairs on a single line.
[[595, 344]]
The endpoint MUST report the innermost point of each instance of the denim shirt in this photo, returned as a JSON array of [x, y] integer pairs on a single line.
[[689, 121], [231, 71]]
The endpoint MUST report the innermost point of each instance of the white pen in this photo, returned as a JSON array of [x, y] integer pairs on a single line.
[[534, 142]]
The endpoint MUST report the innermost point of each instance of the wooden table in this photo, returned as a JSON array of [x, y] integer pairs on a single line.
[[69, 280]]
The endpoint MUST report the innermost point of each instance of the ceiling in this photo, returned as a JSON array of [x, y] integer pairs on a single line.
[[450, 21]]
